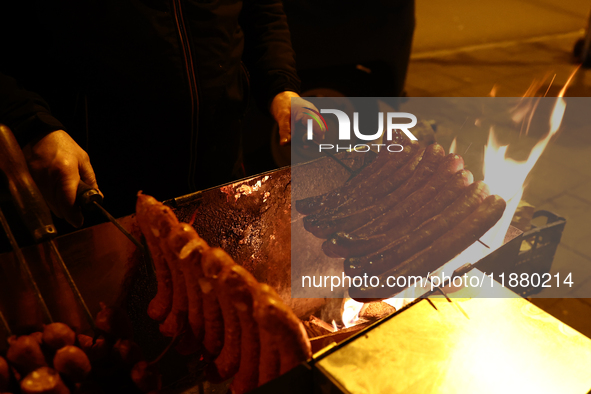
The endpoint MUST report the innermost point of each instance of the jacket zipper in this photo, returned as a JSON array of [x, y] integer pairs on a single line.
[[194, 93]]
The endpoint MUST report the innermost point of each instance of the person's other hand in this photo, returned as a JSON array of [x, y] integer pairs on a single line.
[[281, 107], [57, 164]]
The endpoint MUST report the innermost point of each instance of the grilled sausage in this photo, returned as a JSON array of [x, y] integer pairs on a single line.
[[176, 320], [425, 169], [287, 332], [269, 361], [72, 363], [388, 180], [216, 264], [331, 199], [25, 355], [43, 380], [58, 335], [146, 208], [449, 166], [441, 251], [421, 237], [189, 247], [241, 286], [213, 322], [356, 244]]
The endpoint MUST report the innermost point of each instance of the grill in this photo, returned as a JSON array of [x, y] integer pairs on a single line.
[[251, 220]]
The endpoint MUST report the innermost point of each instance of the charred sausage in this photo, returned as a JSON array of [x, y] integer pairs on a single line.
[[421, 237], [441, 251], [357, 244]]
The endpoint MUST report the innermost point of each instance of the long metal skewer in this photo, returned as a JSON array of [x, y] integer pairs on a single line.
[[72, 284], [5, 324], [119, 226], [23, 263]]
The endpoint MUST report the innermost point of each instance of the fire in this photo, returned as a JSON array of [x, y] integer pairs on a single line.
[[505, 177], [351, 311]]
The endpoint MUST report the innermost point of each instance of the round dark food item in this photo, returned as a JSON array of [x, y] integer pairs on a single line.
[[4, 374], [125, 353], [43, 381], [25, 355], [58, 335], [114, 321], [146, 377], [72, 362]]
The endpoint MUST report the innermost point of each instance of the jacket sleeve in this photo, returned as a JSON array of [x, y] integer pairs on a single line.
[[268, 53], [24, 112]]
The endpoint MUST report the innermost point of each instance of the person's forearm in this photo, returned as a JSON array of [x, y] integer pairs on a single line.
[[268, 52]]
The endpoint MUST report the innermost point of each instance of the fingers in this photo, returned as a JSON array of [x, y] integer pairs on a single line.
[[58, 164], [284, 130], [65, 195], [87, 173]]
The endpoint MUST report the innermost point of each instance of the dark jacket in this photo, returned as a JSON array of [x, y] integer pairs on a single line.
[[152, 89]]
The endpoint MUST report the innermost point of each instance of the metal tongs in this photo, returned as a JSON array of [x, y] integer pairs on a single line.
[[34, 213]]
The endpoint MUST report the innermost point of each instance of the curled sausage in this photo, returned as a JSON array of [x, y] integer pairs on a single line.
[[241, 285], [287, 332], [147, 208], [216, 265], [188, 247], [175, 322]]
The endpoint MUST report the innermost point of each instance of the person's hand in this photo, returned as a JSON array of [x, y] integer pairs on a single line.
[[57, 164], [281, 107]]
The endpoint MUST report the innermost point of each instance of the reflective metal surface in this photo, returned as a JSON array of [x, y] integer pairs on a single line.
[[506, 345]]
